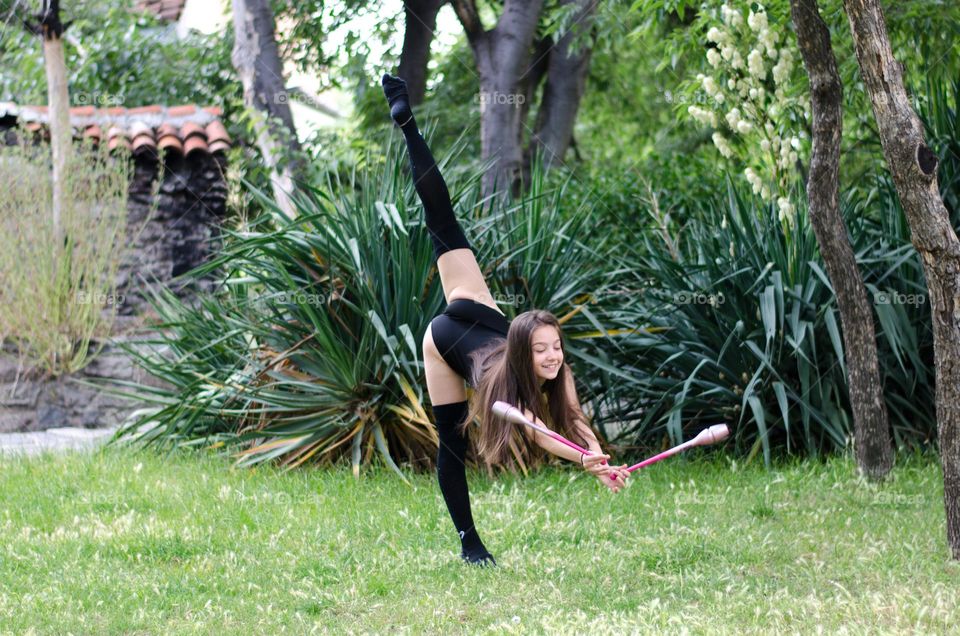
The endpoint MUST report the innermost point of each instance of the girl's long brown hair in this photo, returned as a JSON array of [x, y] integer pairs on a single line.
[[504, 371]]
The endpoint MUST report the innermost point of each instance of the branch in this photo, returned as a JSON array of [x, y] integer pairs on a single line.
[[48, 20], [466, 11]]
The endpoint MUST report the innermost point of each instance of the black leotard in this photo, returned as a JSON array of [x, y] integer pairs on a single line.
[[464, 327]]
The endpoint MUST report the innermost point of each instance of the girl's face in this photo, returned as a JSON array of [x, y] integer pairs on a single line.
[[547, 352]]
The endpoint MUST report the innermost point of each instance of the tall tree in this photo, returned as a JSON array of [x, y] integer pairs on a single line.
[[51, 29], [873, 444], [258, 63], [502, 55], [566, 76], [420, 23], [913, 167]]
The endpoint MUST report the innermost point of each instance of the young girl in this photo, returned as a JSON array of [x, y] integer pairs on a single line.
[[521, 363]]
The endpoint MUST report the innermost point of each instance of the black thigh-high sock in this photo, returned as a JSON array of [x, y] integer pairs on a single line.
[[445, 231], [451, 473]]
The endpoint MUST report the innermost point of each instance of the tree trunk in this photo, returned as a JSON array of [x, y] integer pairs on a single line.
[[257, 60], [872, 441], [913, 167], [502, 55], [420, 22], [566, 78], [58, 108], [529, 82]]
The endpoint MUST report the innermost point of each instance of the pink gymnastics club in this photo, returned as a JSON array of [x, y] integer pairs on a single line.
[[711, 435], [513, 414]]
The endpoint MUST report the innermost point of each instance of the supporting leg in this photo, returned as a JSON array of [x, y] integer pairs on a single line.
[[443, 383]]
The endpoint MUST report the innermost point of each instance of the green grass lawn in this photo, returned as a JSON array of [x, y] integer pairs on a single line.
[[133, 543]]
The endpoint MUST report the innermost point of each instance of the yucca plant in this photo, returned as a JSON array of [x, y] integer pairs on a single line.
[[310, 350], [768, 358], [311, 347], [748, 333]]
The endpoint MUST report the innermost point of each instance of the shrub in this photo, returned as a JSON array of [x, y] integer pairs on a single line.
[[54, 302]]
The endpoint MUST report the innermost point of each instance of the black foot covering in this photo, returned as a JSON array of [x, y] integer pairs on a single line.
[[395, 90], [451, 473], [473, 551], [484, 559]]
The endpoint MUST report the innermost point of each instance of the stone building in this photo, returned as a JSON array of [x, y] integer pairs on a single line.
[[177, 201]]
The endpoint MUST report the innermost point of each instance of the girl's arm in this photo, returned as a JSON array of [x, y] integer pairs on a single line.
[[548, 443], [588, 435]]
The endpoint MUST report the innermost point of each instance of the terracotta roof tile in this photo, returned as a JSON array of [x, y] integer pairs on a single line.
[[190, 129], [183, 129], [93, 132], [142, 110], [217, 136], [181, 111], [116, 138], [166, 9]]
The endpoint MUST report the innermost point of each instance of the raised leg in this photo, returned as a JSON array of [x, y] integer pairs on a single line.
[[460, 274]]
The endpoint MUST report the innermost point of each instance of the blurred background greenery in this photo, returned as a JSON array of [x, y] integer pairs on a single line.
[[686, 298]]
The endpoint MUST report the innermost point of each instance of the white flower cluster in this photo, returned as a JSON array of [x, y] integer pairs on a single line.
[[748, 90], [703, 116], [787, 211], [722, 145], [755, 180], [731, 17], [782, 69], [758, 21]]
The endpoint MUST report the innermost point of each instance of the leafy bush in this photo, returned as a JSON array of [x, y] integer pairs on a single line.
[[771, 348], [744, 328]]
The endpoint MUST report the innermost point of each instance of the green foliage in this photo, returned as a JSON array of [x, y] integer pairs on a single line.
[[741, 330], [313, 346], [312, 349], [116, 56], [777, 323]]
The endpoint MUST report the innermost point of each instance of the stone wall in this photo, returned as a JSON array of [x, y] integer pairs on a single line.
[[32, 403], [170, 235], [174, 232]]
